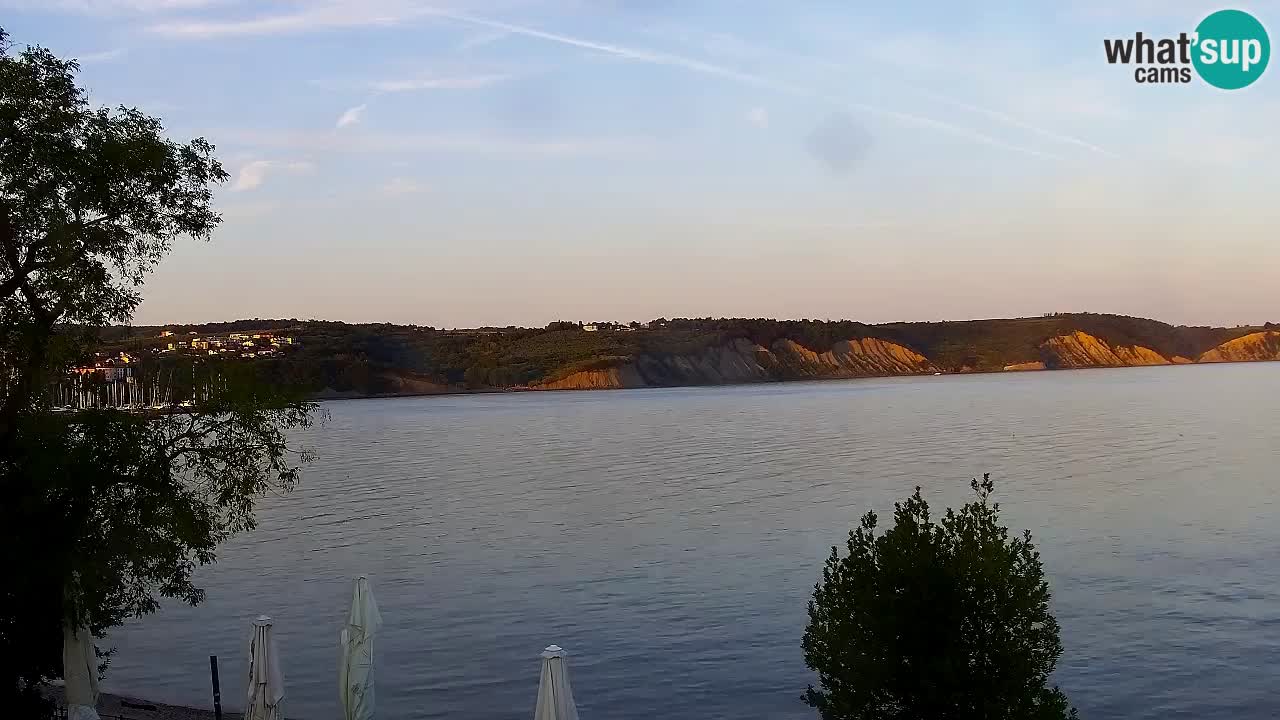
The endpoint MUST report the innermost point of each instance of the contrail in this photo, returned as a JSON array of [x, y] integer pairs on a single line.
[[1015, 122], [671, 60], [977, 109]]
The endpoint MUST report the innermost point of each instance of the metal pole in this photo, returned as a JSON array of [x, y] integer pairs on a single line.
[[217, 691]]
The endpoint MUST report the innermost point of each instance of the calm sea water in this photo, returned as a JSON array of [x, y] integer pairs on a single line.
[[669, 539]]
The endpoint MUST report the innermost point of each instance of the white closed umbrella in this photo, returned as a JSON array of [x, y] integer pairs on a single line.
[[555, 697], [355, 675], [79, 673], [266, 683]]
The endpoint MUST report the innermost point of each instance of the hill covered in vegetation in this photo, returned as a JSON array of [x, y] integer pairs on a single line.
[[336, 359]]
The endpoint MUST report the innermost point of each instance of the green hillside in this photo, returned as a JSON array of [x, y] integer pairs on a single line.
[[377, 359]]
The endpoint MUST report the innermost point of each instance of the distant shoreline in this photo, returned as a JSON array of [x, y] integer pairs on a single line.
[[523, 390], [336, 361]]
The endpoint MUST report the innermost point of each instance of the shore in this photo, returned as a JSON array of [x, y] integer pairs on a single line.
[[125, 707], [452, 390]]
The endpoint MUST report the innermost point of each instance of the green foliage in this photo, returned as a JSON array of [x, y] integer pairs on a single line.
[[106, 511], [1189, 342], [90, 200], [987, 345], [379, 359], [945, 619]]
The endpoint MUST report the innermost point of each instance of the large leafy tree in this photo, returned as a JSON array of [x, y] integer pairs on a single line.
[[944, 619], [106, 511]]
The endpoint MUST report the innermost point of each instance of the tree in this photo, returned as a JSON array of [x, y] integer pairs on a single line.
[[105, 511], [945, 620]]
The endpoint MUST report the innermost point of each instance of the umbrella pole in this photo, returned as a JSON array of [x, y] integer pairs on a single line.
[[217, 690]]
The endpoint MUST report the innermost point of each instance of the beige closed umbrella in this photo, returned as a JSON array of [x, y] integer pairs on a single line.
[[266, 683], [79, 673], [555, 696], [355, 675]]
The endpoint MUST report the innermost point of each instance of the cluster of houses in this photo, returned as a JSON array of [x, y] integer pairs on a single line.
[[245, 345], [613, 326], [108, 366], [109, 379], [118, 365]]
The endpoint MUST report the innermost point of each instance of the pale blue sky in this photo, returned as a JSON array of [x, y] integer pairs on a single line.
[[470, 162]]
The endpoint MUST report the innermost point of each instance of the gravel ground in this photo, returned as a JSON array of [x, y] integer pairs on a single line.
[[120, 707], [125, 707]]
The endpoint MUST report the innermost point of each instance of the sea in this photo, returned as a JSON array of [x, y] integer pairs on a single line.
[[669, 540]]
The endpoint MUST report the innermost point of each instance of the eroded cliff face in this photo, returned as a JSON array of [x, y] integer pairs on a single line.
[[615, 378], [853, 358], [1082, 350], [743, 361], [1255, 346]]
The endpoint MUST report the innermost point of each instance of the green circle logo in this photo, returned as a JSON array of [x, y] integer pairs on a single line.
[[1232, 49]]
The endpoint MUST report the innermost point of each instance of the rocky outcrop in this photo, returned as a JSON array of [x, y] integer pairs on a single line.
[[1082, 350], [853, 358], [743, 361], [740, 361], [615, 378], [1255, 346]]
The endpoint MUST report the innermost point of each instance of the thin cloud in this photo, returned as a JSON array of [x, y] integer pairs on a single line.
[[247, 210], [998, 116], [338, 16], [461, 82], [656, 58], [254, 173], [305, 141], [108, 7], [351, 116], [706, 68], [402, 186], [758, 117], [894, 54], [103, 56], [319, 17], [1015, 122], [481, 39], [717, 43]]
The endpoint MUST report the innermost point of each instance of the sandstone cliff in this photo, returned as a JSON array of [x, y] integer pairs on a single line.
[[1082, 350], [1255, 346], [742, 361], [615, 378]]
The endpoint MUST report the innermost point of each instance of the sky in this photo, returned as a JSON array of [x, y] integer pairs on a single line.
[[492, 162]]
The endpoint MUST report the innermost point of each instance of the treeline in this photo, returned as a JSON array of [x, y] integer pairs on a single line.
[[382, 358], [984, 345]]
